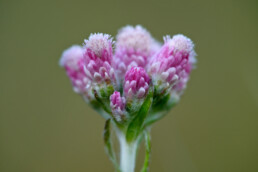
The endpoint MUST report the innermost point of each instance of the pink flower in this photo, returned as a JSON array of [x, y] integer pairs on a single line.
[[134, 47], [98, 58], [117, 104], [136, 83], [187, 45], [171, 65], [72, 60]]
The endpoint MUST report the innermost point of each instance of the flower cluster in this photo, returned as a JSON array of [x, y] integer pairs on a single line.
[[135, 86], [139, 64]]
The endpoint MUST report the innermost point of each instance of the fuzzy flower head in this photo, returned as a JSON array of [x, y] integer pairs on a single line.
[[136, 40], [100, 44], [186, 46], [134, 47], [136, 83], [72, 60], [136, 86], [171, 63], [117, 104], [98, 58], [181, 43], [71, 57]]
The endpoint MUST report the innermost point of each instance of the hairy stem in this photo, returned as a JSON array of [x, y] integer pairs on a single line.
[[127, 154]]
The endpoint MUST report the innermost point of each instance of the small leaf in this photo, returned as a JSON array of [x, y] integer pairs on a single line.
[[97, 106], [160, 103], [159, 109], [106, 133], [105, 107], [147, 152], [136, 124], [108, 145]]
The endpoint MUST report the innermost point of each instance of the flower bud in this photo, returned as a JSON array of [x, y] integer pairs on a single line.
[[133, 48], [97, 64], [72, 60], [171, 64], [98, 59], [117, 104], [185, 45], [136, 83]]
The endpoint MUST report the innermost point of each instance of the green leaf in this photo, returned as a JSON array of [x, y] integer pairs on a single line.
[[136, 124], [154, 117], [159, 109], [160, 103], [102, 104], [108, 144], [98, 107], [147, 152]]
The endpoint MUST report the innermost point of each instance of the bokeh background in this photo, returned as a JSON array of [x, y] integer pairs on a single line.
[[45, 127]]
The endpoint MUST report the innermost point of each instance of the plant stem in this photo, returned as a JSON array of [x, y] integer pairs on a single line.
[[127, 154]]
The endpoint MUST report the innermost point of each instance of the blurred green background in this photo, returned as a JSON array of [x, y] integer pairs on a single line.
[[45, 127]]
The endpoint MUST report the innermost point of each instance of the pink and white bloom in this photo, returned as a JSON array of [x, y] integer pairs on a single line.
[[172, 64], [136, 83], [117, 104], [134, 47], [72, 61], [184, 76], [98, 58]]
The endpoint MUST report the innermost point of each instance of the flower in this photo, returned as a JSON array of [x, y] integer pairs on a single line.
[[134, 47], [136, 83], [98, 58], [117, 104], [171, 66], [186, 46], [72, 60]]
